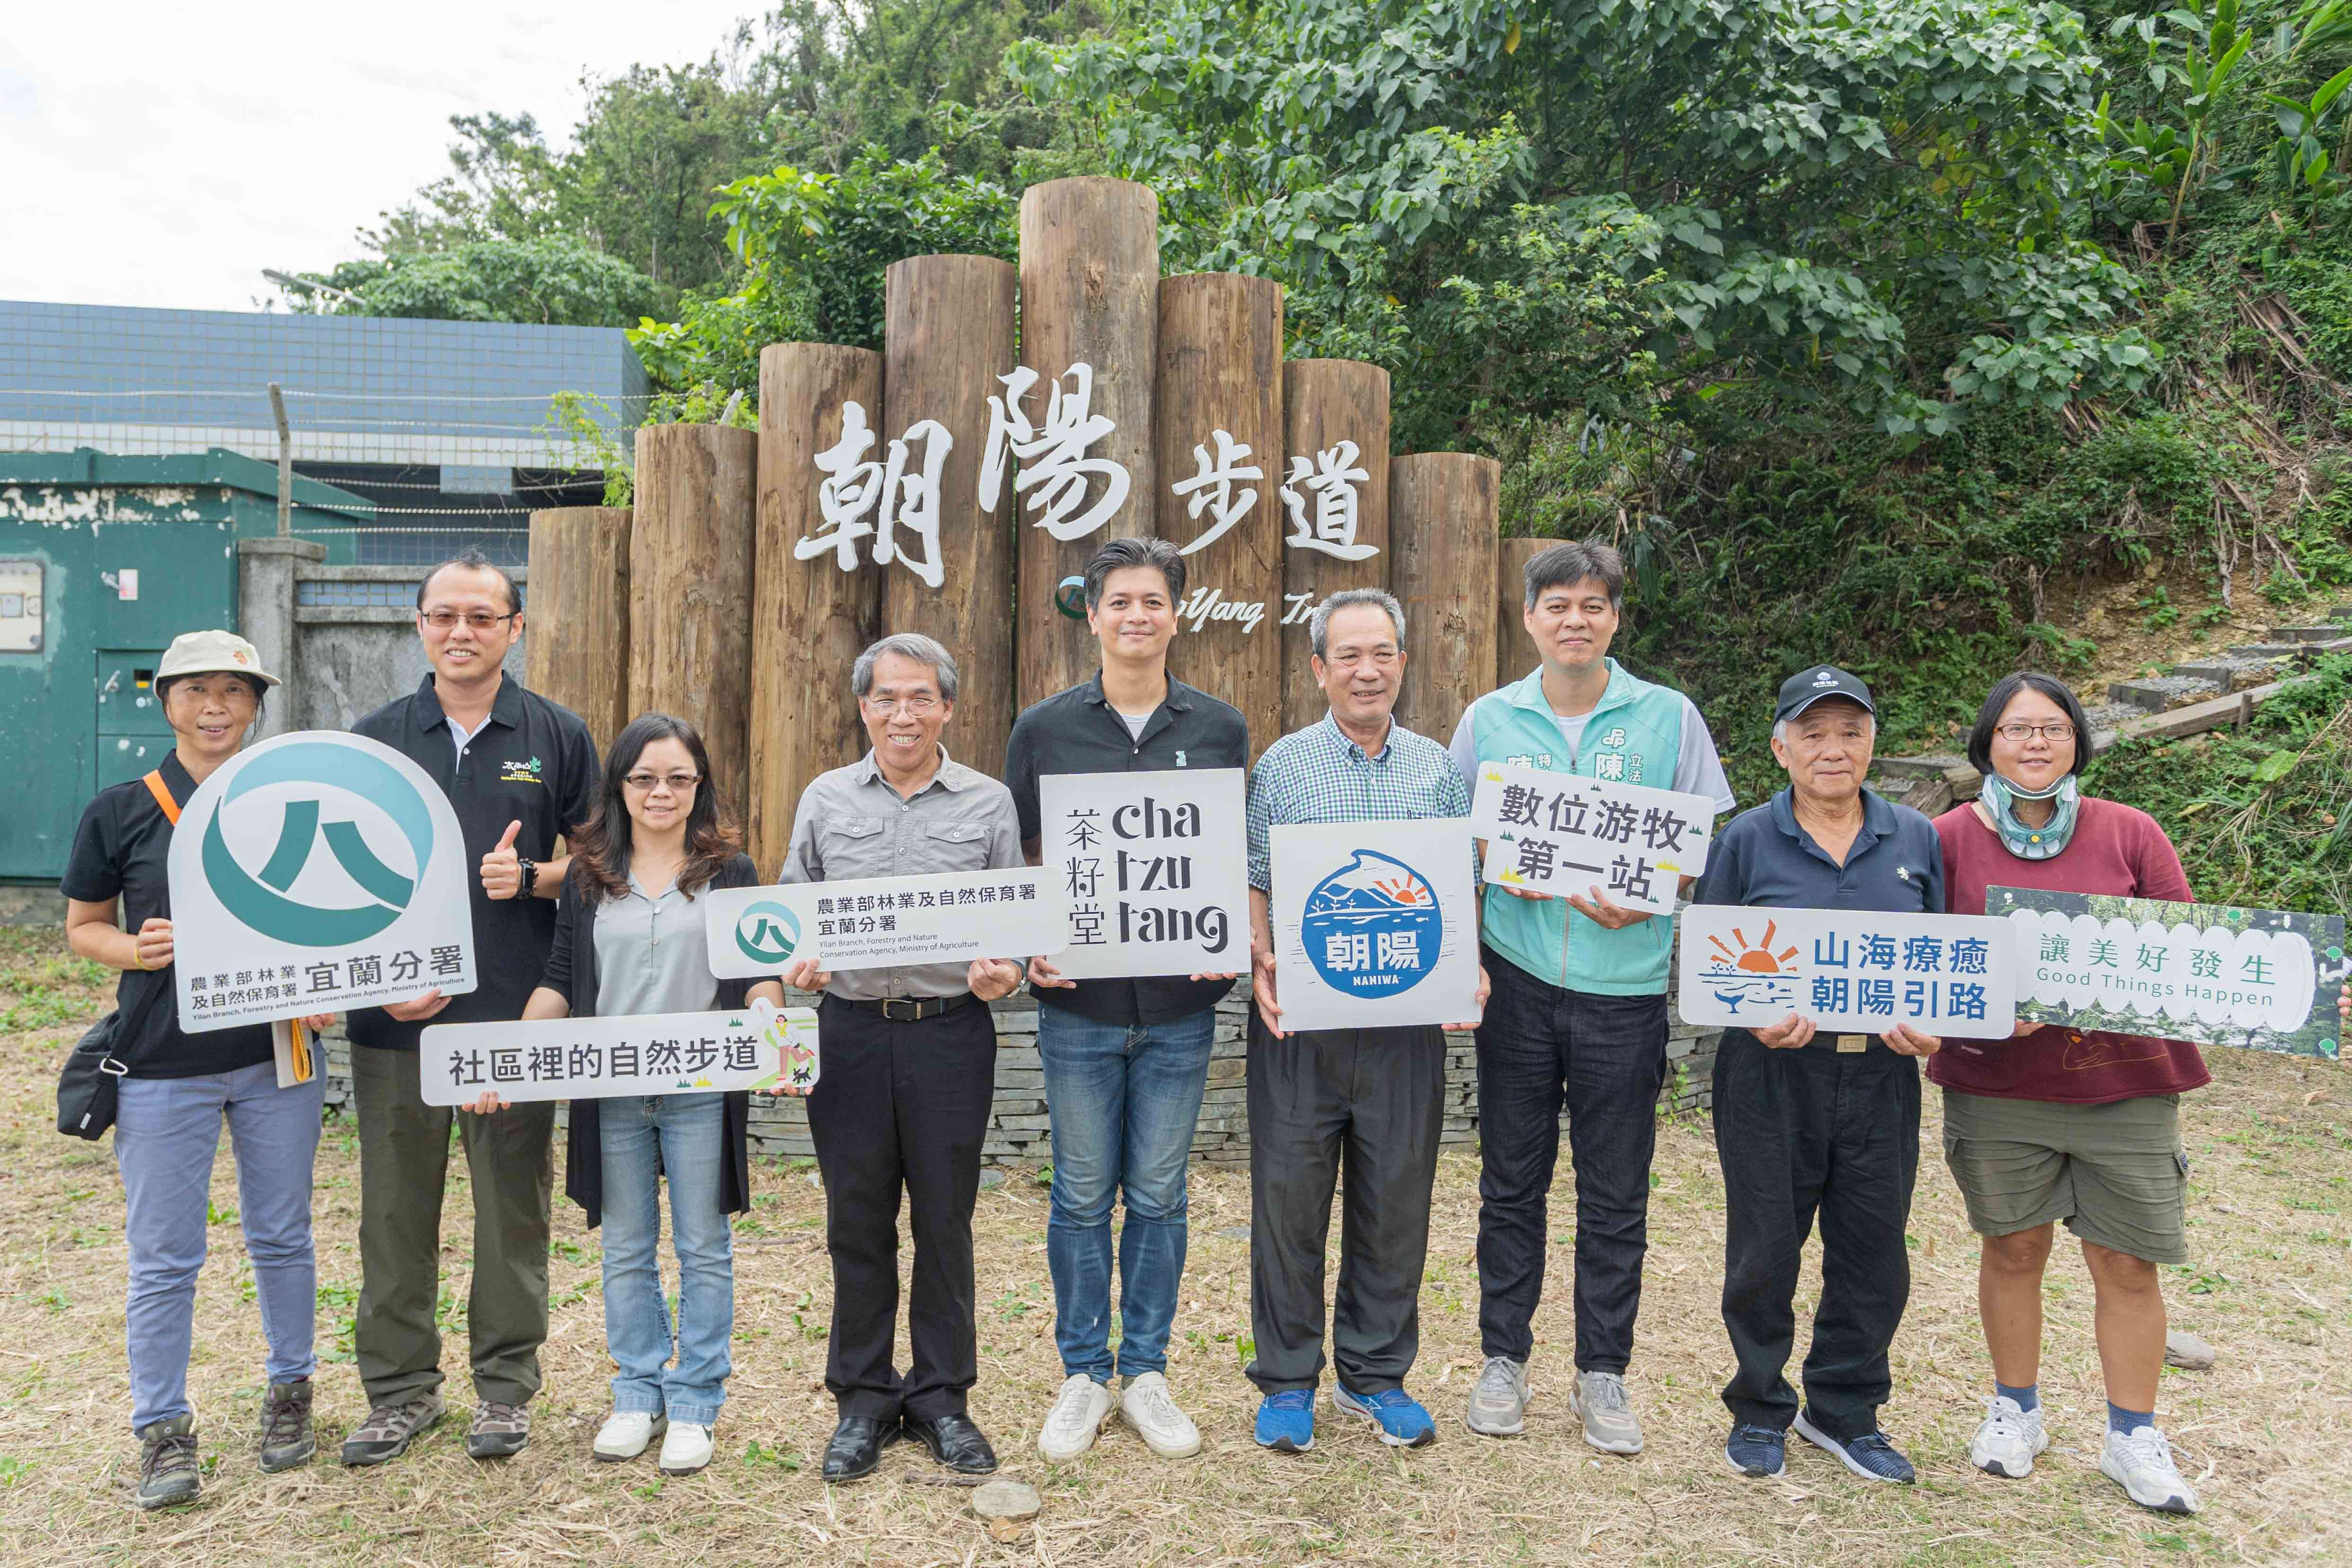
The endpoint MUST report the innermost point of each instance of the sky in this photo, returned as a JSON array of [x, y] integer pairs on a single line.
[[164, 154]]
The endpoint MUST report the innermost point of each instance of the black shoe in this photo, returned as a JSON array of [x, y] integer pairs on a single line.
[[856, 1446], [956, 1443]]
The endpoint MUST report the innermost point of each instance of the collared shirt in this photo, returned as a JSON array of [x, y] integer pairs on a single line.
[[1318, 775], [1078, 732], [853, 824], [532, 763], [652, 955], [461, 737]]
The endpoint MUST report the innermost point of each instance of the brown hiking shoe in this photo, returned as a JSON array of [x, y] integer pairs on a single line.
[[498, 1430], [287, 1439], [167, 1463], [390, 1428]]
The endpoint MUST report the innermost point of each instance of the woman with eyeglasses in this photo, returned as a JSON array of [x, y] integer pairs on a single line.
[[629, 940]]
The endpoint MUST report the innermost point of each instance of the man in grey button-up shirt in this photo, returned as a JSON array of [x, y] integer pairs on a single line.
[[910, 1069]]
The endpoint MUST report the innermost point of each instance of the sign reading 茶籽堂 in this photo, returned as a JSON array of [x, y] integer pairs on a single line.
[[1155, 868], [1375, 923], [1847, 969], [1564, 835], [760, 1047], [881, 923]]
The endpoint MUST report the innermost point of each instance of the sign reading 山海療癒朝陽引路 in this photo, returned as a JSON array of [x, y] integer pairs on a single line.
[[882, 922], [1847, 969], [2211, 975], [316, 872], [760, 1047], [1155, 867], [1375, 923], [1564, 835]]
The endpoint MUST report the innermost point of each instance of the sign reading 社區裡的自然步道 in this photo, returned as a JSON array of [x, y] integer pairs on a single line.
[[760, 1047], [1563, 834], [1847, 969], [948, 916], [1375, 923], [316, 872], [2209, 974], [1155, 867]]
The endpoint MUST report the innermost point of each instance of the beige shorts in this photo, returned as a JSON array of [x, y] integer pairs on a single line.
[[2116, 1173]]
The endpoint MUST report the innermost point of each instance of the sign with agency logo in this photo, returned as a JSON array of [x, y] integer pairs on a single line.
[[762, 1046], [1154, 868], [1849, 970], [316, 872], [1375, 923], [948, 916], [1563, 834]]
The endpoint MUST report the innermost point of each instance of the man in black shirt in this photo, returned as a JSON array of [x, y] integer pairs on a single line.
[[1126, 1061], [520, 771]]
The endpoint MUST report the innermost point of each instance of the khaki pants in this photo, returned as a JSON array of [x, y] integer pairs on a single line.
[[403, 1165]]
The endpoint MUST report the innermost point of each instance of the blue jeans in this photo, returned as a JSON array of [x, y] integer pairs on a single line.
[[166, 1130], [1124, 1103], [689, 1132]]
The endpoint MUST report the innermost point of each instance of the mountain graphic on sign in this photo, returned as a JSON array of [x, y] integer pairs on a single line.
[[1371, 882]]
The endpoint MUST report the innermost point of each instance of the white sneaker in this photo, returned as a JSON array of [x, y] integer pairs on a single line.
[[625, 1434], [1076, 1418], [1498, 1405], [686, 1448], [2141, 1463], [1165, 1430], [2009, 1438]]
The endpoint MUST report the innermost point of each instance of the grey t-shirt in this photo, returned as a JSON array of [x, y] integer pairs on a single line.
[[652, 955]]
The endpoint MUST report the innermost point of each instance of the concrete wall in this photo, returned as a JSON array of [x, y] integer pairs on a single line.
[[351, 657]]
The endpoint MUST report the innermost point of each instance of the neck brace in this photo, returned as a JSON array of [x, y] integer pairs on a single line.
[[2026, 842]]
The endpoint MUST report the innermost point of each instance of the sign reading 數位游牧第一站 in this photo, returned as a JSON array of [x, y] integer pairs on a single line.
[[2211, 975], [1375, 923], [1847, 969], [1565, 835], [948, 916], [1155, 869], [760, 1047], [316, 872]]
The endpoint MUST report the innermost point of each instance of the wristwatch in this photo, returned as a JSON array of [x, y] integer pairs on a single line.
[[529, 868]]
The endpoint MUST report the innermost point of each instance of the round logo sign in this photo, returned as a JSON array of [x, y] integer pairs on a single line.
[[1070, 597], [334, 782], [1372, 928], [768, 932]]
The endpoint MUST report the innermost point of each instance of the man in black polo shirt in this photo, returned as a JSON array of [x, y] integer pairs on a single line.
[[1126, 1061], [519, 772]]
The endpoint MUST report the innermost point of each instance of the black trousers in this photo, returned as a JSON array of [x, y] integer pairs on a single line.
[[1815, 1131], [1373, 1102], [901, 1106], [1603, 1058]]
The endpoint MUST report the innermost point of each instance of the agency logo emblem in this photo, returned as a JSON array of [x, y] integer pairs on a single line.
[[1070, 597], [1374, 927], [768, 932], [335, 777]]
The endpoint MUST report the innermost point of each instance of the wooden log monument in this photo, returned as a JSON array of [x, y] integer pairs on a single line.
[[1329, 408], [690, 588], [577, 607], [1441, 525]]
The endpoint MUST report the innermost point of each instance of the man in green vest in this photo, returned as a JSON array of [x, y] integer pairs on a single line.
[[1577, 1015]]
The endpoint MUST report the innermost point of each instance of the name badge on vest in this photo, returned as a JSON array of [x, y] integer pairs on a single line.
[[1853, 1042]]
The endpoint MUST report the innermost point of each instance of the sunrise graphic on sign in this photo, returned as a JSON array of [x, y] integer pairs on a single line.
[[1753, 973]]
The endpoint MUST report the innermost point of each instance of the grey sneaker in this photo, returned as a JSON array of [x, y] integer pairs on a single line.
[[1499, 1405], [2142, 1465], [287, 1439], [390, 1428], [498, 1430], [167, 1463], [1609, 1424]]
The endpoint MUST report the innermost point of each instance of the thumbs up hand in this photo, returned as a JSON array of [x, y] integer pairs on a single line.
[[502, 867]]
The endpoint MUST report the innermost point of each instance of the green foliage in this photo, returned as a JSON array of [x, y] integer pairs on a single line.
[[555, 282]]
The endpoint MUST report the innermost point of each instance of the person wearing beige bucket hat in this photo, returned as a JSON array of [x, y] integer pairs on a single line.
[[176, 1088]]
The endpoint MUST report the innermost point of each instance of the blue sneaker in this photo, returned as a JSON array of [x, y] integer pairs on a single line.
[[1758, 1451], [1870, 1455], [1285, 1421], [1403, 1422]]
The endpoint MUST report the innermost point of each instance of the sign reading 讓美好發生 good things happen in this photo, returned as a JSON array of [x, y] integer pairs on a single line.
[[1375, 923], [760, 1047], [1564, 835], [2262, 980], [316, 872], [1155, 867], [1847, 969], [881, 923]]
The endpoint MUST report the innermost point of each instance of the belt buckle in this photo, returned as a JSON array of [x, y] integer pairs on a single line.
[[913, 1013]]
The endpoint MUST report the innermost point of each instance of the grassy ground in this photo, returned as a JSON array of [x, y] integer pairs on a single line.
[[2263, 1435]]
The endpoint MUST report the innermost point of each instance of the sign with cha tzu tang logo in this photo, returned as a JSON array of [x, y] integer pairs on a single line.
[[1375, 923]]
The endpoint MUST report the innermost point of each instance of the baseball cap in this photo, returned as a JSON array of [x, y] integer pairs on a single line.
[[201, 653], [1807, 687]]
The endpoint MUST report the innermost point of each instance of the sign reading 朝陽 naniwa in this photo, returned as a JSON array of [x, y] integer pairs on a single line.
[[1375, 923], [1849, 970], [1155, 868]]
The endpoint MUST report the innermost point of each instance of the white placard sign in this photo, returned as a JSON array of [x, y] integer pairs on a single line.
[[1156, 868], [317, 871], [1561, 832], [1375, 923], [759, 1046], [1848, 970], [949, 916]]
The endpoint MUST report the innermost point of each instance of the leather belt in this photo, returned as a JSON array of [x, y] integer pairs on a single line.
[[910, 1009]]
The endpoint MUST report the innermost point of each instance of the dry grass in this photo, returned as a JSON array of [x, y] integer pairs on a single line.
[[2265, 1434]]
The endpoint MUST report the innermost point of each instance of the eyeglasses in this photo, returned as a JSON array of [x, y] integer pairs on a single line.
[[913, 707], [479, 620], [2018, 734], [678, 782]]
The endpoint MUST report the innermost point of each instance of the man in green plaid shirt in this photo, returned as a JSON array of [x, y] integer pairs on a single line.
[[1375, 1098]]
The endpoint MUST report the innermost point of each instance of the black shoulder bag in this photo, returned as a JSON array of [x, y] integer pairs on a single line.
[[88, 1085]]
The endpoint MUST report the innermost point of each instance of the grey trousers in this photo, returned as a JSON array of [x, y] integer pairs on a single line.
[[1373, 1102]]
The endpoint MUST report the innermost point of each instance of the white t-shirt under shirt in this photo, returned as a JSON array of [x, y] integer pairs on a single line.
[[1136, 721]]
